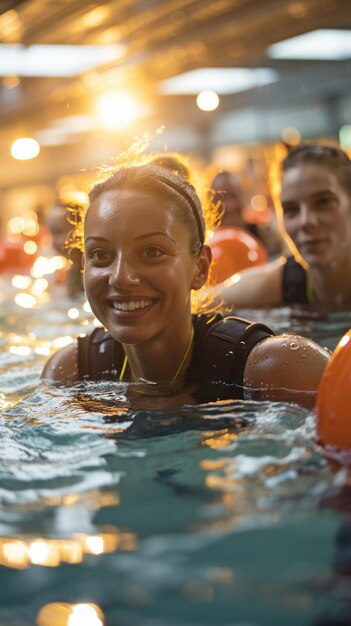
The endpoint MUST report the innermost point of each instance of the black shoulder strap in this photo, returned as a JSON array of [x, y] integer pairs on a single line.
[[221, 349], [100, 357], [294, 283]]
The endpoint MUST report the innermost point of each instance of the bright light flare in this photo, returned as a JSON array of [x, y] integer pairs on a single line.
[[117, 110], [47, 265], [64, 614], [207, 100], [14, 554], [25, 148], [25, 300], [43, 552], [86, 614], [15, 225], [73, 314], [39, 286], [30, 247], [21, 282], [344, 341], [31, 228]]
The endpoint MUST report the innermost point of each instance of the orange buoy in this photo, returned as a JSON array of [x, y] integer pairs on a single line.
[[13, 257], [334, 398], [234, 249]]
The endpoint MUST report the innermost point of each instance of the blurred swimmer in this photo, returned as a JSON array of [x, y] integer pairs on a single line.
[[316, 219]]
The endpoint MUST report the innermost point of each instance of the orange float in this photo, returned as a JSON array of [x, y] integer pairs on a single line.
[[234, 249], [13, 257], [334, 398]]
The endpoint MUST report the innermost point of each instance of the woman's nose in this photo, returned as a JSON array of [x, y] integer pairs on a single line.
[[307, 216], [123, 272]]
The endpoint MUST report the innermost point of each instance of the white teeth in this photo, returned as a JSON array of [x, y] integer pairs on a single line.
[[131, 306]]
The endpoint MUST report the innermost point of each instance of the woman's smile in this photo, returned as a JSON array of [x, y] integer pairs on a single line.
[[130, 308], [138, 270]]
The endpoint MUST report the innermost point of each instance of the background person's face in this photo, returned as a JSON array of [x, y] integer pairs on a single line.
[[230, 195], [57, 222], [316, 213]]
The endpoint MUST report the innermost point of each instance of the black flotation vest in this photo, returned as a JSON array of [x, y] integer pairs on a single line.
[[221, 348], [294, 283]]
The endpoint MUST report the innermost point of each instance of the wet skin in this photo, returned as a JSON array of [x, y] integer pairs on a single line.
[[317, 214]]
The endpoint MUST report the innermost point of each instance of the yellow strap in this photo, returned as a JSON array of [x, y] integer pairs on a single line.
[[123, 368], [309, 290], [179, 368], [184, 357]]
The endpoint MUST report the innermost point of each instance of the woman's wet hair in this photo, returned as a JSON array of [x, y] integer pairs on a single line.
[[162, 182], [328, 156], [172, 162]]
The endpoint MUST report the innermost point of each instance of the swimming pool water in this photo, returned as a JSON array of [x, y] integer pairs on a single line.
[[225, 514]]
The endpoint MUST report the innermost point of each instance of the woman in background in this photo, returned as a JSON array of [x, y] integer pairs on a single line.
[[316, 219]]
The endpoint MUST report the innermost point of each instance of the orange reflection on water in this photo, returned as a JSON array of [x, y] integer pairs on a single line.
[[219, 439], [14, 553], [43, 552], [65, 614], [20, 553]]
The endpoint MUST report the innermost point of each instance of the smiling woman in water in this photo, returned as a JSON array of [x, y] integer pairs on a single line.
[[145, 254], [315, 214]]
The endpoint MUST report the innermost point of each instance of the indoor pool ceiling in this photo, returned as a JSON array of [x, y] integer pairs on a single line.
[[160, 39]]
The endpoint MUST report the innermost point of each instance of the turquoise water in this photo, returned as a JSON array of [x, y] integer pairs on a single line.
[[225, 514]]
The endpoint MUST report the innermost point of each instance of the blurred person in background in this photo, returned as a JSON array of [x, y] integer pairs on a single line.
[[315, 217], [227, 190]]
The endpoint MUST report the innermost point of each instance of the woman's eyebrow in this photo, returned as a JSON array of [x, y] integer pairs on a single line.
[[144, 236], [155, 233], [96, 238], [314, 194]]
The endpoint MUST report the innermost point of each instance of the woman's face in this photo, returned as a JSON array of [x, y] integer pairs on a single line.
[[138, 268], [317, 213]]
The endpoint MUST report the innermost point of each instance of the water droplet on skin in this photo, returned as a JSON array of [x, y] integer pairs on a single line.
[[294, 345]]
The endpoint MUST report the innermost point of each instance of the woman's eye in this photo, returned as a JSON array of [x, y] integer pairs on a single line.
[[151, 253], [99, 254], [324, 202], [290, 210]]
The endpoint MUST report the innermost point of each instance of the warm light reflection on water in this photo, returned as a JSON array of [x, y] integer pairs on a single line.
[[65, 614], [218, 440], [20, 553]]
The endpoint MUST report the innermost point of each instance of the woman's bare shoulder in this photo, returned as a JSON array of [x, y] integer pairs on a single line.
[[62, 366], [286, 368]]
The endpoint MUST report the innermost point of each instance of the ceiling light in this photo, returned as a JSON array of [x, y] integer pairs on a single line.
[[118, 110], [25, 148], [317, 45], [207, 100], [55, 60], [222, 80]]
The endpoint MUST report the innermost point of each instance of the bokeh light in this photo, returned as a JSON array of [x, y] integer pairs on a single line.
[[25, 148], [117, 110], [207, 100]]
